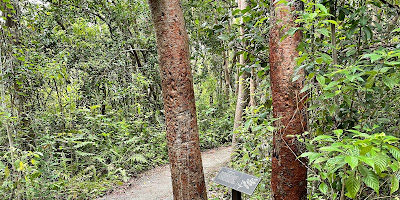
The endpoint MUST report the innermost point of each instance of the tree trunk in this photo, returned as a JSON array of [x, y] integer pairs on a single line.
[[243, 92], [253, 86], [288, 177], [179, 102], [228, 86]]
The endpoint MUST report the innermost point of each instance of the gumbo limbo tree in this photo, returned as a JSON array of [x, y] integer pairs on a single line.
[[179, 102], [288, 177]]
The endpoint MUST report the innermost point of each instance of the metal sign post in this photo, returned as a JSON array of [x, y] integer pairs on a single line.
[[236, 195], [238, 181]]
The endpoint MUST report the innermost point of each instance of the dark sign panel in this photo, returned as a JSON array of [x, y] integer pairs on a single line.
[[237, 180]]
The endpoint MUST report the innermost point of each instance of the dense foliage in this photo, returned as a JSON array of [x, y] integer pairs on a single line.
[[81, 105]]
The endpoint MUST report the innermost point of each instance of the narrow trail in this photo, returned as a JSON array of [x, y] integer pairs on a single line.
[[156, 183]]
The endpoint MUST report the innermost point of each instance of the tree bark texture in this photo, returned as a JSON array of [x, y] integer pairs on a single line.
[[288, 178], [243, 91], [253, 87], [179, 102]]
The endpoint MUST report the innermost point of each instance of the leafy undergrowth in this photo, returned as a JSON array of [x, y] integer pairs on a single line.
[[81, 163]]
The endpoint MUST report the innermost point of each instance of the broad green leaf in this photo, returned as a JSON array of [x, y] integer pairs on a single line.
[[313, 107], [338, 132], [373, 57], [302, 59], [352, 186], [311, 155], [390, 82], [365, 150], [392, 63], [367, 160], [223, 37], [332, 109], [323, 188], [247, 124], [322, 8], [368, 32], [363, 20], [321, 79], [332, 22], [380, 162], [324, 31], [395, 152], [330, 148], [292, 30], [138, 158], [370, 178], [394, 184], [305, 88], [352, 161], [370, 81], [396, 30]]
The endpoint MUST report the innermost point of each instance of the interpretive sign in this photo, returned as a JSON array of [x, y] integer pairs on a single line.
[[237, 180]]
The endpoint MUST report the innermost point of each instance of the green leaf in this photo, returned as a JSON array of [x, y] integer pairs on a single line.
[[322, 8], [138, 158], [311, 155], [352, 186], [396, 30], [388, 81], [313, 107], [373, 57], [323, 31], [332, 109], [330, 148], [305, 88], [223, 37], [392, 63], [338, 132], [321, 79], [367, 160], [332, 22], [302, 59], [395, 152], [365, 150], [21, 58], [394, 184], [292, 30], [370, 81], [352, 161], [380, 162], [323, 188], [370, 178], [368, 32], [363, 20]]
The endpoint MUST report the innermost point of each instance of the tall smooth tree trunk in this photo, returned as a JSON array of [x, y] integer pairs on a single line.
[[288, 177], [179, 102], [253, 85], [243, 91], [228, 87]]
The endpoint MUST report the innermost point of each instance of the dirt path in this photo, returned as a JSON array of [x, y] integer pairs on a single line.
[[156, 184]]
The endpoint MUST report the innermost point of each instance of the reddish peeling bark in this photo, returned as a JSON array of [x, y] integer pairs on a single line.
[[288, 178], [179, 102]]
